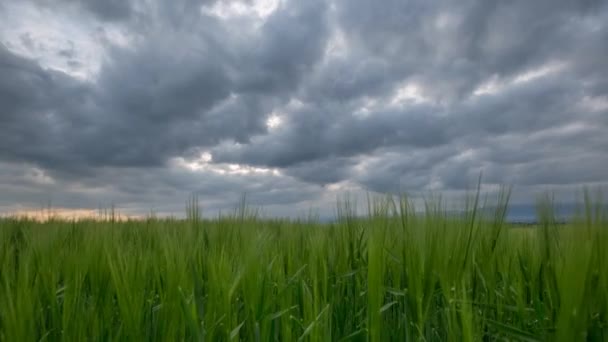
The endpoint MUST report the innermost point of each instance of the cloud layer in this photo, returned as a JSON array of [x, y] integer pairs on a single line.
[[141, 103]]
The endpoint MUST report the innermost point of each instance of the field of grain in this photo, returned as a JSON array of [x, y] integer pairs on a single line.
[[393, 274]]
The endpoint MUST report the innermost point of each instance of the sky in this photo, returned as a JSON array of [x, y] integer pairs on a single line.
[[142, 103]]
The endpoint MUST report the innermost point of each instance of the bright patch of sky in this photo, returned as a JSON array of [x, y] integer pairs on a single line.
[[204, 164], [258, 9], [496, 85], [58, 40]]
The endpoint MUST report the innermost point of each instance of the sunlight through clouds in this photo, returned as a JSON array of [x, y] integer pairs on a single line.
[[231, 9]]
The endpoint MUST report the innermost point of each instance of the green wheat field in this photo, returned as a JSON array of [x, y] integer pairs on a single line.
[[394, 273]]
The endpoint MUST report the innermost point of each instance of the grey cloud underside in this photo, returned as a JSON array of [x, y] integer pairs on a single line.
[[111, 10], [397, 42], [163, 189], [480, 38], [190, 82], [172, 93]]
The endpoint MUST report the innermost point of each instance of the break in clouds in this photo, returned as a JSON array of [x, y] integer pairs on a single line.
[[142, 103]]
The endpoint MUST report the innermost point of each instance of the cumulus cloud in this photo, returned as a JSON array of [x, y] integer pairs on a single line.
[[145, 102]]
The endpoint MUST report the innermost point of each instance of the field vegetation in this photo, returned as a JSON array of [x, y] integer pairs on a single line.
[[393, 274]]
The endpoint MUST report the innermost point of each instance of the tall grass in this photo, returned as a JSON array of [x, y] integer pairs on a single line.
[[395, 274]]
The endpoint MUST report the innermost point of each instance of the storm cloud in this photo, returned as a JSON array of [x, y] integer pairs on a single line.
[[143, 103]]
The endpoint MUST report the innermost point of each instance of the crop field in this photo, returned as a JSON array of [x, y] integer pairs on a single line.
[[393, 274]]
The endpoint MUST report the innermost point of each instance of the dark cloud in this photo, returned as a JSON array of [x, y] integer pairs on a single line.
[[68, 52], [290, 43], [452, 47], [26, 40], [33, 103], [318, 133], [400, 170], [322, 172], [74, 64], [414, 95], [187, 90], [530, 107], [164, 189], [110, 10], [214, 89]]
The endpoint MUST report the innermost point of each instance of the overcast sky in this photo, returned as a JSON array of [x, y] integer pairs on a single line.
[[142, 103]]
